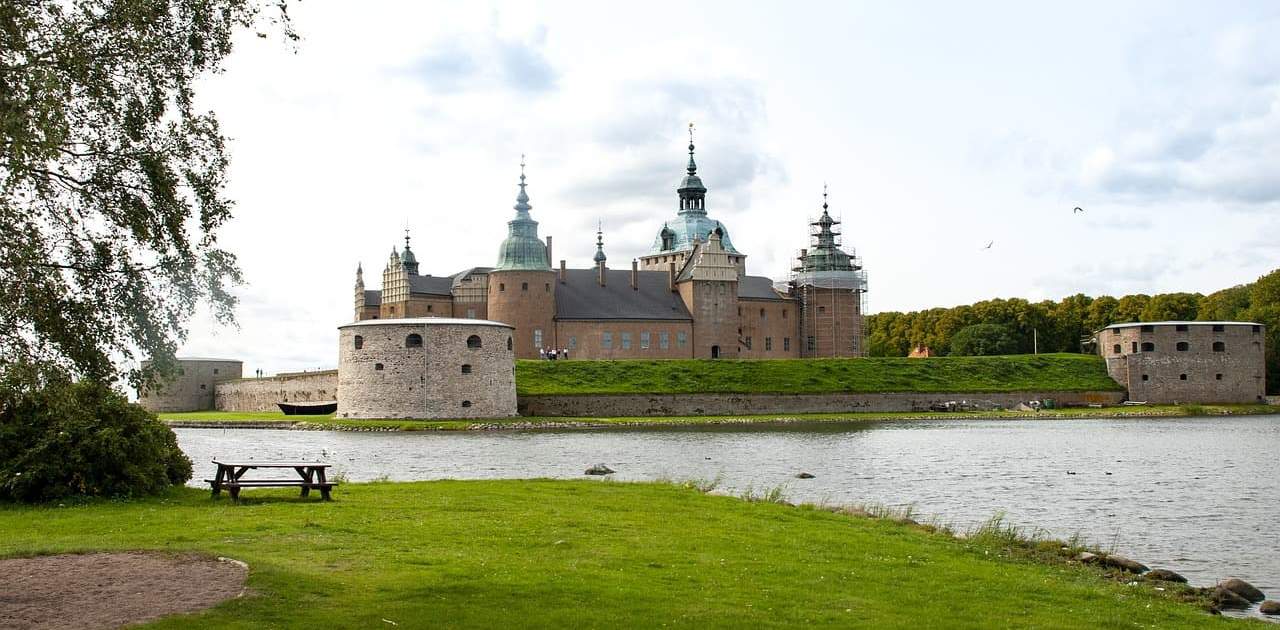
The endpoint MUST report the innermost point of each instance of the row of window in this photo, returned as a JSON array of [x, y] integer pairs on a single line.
[[414, 340], [466, 368], [763, 313], [646, 340], [1181, 346], [768, 343], [1181, 377], [1185, 328], [524, 286]]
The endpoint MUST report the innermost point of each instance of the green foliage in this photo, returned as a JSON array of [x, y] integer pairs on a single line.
[[83, 439], [983, 340], [1066, 372], [111, 178], [1063, 324], [581, 554]]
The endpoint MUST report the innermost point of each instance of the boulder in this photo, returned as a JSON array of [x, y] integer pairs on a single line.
[[1124, 564], [1223, 598], [1243, 589], [1164, 575], [1087, 558], [1270, 607], [599, 469], [804, 475]]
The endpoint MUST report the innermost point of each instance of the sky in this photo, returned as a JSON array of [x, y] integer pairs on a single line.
[[939, 127]]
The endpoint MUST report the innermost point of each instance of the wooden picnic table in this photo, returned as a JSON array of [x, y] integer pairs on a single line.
[[230, 476]]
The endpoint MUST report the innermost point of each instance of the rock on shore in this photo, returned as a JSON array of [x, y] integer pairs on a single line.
[[1165, 575], [1112, 561], [599, 469], [1270, 607], [1243, 589]]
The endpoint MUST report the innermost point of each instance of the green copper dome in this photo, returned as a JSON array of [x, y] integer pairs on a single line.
[[522, 249], [691, 220]]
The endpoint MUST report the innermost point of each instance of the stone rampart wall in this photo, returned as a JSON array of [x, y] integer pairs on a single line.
[[611, 405], [262, 394]]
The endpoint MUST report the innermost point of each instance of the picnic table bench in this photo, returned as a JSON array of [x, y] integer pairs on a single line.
[[230, 477]]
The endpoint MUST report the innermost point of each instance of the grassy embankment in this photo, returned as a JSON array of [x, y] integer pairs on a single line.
[[544, 553]]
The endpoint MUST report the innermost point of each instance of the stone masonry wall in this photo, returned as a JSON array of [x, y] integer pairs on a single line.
[[192, 387], [262, 394], [1192, 362], [612, 405]]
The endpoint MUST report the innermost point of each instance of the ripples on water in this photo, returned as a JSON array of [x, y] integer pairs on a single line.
[[1198, 495]]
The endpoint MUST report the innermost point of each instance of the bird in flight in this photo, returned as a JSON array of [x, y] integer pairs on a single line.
[[989, 244], [1077, 210]]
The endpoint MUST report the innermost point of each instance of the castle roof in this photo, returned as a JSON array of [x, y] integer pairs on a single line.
[[581, 297], [373, 297], [758, 288], [431, 285]]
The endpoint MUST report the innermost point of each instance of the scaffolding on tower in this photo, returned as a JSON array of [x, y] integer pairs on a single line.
[[829, 326]]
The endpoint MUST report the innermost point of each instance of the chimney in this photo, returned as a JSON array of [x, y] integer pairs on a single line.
[[549, 258], [635, 275], [671, 276], [600, 272], [561, 271]]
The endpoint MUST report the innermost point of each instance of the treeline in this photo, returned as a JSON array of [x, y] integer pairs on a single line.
[[1013, 326]]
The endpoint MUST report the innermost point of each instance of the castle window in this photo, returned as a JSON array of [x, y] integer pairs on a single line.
[[784, 313], [1182, 377], [768, 344], [1116, 349], [1147, 346], [202, 386], [681, 339], [822, 309], [1257, 329], [466, 369], [573, 342], [392, 309], [644, 341], [508, 343], [664, 340], [606, 340], [1217, 377], [786, 343], [747, 342], [377, 366], [471, 313], [547, 286], [473, 341], [739, 311], [1115, 331], [502, 286], [524, 286], [466, 403], [762, 315], [1218, 346], [811, 343], [537, 337], [626, 341], [1145, 377], [1219, 328], [1180, 328], [215, 370], [181, 372], [1183, 346], [1148, 329], [1134, 347], [413, 341], [429, 308], [359, 342]]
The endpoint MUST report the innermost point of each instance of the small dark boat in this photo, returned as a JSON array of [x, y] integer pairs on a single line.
[[318, 408]]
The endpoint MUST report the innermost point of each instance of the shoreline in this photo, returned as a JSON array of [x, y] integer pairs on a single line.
[[269, 420]]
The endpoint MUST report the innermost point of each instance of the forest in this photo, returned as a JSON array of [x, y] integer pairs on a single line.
[[1018, 326]]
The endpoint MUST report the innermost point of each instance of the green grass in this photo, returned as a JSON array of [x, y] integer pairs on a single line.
[[562, 554], [544, 422], [1044, 372]]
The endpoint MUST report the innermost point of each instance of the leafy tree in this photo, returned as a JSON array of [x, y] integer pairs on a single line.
[[1172, 306], [1224, 305], [984, 340], [112, 179], [1130, 308]]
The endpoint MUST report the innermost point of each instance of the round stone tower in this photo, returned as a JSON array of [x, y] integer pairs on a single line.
[[522, 287], [429, 367]]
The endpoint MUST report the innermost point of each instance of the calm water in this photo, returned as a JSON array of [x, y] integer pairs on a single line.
[[1197, 495]]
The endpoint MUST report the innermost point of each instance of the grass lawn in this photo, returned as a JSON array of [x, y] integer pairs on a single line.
[[534, 422], [1043, 372], [562, 554]]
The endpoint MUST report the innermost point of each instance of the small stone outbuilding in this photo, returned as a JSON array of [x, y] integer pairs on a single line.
[[192, 385], [427, 367], [1187, 362]]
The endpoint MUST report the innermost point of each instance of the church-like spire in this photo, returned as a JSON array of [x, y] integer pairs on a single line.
[[599, 257], [409, 261], [359, 275], [693, 166], [522, 248], [692, 192]]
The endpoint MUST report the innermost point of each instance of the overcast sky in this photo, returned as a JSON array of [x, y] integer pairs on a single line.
[[940, 127]]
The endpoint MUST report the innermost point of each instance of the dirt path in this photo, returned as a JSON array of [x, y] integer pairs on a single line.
[[109, 590]]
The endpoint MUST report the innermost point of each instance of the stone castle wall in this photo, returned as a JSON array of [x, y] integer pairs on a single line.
[[1187, 362], [262, 394], [612, 405], [382, 375], [192, 386]]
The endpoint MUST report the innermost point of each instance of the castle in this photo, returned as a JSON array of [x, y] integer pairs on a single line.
[[689, 297]]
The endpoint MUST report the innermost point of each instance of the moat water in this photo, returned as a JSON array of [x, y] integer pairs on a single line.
[[1200, 496]]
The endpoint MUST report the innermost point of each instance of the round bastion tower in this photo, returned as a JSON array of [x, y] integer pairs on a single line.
[[522, 287]]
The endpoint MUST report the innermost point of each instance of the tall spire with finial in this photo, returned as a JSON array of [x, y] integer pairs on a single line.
[[692, 192], [522, 248], [693, 166], [599, 257], [409, 261]]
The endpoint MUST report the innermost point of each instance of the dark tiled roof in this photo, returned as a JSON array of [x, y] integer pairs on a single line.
[[373, 298], [457, 277], [431, 285], [757, 288], [582, 297]]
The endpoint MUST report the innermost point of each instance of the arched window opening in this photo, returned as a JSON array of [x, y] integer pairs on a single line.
[[1116, 349], [359, 342], [466, 368], [377, 366], [1147, 346], [508, 343], [413, 341], [524, 286], [1182, 377], [466, 403], [1219, 346], [473, 341], [1183, 346]]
